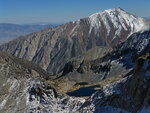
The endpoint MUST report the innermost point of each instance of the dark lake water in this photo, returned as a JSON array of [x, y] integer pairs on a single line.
[[84, 91]]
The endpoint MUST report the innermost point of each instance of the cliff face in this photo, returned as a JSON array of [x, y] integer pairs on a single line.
[[53, 47]]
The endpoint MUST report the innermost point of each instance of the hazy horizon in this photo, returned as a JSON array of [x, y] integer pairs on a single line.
[[53, 12]]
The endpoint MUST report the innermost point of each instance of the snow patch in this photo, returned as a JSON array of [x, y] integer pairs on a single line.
[[75, 29], [2, 104], [94, 22], [13, 85], [113, 88], [8, 80]]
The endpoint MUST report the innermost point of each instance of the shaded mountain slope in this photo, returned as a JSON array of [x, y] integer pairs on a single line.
[[16, 62]]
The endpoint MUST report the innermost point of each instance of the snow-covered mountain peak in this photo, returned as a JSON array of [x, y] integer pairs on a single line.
[[114, 10], [108, 12], [117, 19]]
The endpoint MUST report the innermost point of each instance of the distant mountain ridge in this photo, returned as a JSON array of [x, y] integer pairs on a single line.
[[10, 31], [51, 48]]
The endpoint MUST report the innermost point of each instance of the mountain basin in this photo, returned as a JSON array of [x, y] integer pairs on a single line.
[[84, 91]]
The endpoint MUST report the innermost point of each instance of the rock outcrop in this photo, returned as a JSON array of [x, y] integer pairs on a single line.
[[24, 90]]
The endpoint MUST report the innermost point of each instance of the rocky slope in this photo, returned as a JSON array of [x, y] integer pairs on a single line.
[[129, 95], [53, 47], [24, 90], [116, 64], [15, 79]]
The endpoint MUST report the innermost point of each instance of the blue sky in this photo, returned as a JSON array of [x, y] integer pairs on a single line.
[[58, 11]]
